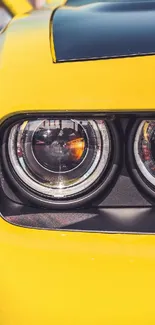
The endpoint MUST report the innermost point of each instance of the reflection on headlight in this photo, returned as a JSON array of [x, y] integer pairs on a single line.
[[59, 158], [144, 149]]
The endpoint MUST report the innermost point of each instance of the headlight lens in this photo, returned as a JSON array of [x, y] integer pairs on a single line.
[[144, 150], [59, 158]]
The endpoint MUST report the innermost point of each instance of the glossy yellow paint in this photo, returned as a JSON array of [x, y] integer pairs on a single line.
[[34, 82], [49, 277], [57, 2], [17, 7], [52, 277]]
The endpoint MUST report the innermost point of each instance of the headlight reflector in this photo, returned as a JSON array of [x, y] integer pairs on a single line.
[[59, 158], [144, 150]]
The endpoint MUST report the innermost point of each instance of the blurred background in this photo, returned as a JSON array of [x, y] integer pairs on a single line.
[[10, 8]]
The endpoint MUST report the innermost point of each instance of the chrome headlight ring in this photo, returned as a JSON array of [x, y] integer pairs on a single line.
[[140, 155], [60, 162]]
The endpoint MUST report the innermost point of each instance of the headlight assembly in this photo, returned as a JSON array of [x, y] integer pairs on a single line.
[[60, 162], [144, 150], [141, 153]]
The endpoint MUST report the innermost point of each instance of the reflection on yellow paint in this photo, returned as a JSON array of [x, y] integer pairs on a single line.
[[23, 126], [146, 124]]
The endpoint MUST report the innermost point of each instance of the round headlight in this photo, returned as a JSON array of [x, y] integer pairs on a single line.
[[144, 150], [59, 160]]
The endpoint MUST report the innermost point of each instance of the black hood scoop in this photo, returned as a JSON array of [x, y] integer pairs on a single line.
[[104, 29]]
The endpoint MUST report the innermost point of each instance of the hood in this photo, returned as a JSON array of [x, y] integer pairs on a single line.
[[103, 30], [30, 81]]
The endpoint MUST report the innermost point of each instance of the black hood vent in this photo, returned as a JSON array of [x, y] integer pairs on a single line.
[[101, 30]]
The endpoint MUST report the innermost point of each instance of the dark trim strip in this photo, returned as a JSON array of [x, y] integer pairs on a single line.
[[108, 220]]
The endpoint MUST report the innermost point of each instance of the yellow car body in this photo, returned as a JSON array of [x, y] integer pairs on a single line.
[[58, 277], [17, 7], [125, 87]]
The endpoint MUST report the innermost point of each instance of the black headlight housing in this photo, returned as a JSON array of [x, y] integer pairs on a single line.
[[141, 155], [60, 162], [56, 152]]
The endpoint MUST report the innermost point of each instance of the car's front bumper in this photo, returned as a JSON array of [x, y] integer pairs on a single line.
[[57, 277]]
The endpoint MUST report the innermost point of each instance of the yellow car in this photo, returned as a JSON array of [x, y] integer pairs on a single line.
[[77, 159]]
